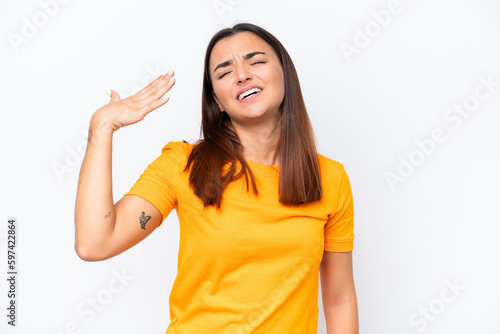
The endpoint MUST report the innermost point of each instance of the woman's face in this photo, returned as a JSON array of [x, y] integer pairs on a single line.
[[247, 79]]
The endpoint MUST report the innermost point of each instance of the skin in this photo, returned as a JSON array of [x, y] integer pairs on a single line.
[[338, 293]]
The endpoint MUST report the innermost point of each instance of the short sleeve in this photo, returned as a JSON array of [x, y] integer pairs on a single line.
[[157, 183], [339, 228]]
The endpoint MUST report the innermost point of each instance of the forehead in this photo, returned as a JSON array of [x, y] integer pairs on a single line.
[[236, 46]]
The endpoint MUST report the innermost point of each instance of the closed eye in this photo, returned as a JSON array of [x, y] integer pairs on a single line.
[[224, 74], [258, 62]]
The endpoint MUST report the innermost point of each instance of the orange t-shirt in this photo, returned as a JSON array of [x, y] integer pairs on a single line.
[[253, 265]]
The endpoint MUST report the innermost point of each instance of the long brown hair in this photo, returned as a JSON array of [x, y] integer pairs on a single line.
[[299, 179]]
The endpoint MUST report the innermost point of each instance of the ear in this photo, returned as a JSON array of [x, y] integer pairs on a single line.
[[217, 101]]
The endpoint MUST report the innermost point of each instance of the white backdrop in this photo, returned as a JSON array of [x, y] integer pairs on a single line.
[[404, 93]]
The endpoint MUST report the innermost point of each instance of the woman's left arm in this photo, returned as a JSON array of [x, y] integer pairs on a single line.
[[339, 295]]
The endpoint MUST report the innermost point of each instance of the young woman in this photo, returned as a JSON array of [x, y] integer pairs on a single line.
[[261, 213]]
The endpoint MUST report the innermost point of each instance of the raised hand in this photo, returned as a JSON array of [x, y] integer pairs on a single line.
[[122, 112]]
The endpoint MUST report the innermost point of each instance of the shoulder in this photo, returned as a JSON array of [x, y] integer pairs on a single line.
[[173, 157], [179, 147], [328, 165], [178, 150], [332, 172]]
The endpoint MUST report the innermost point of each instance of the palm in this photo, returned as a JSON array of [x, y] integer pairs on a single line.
[[122, 112]]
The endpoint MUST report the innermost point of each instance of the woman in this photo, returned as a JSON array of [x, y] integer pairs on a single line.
[[261, 213]]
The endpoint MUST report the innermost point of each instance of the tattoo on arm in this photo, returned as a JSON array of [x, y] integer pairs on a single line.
[[107, 215], [143, 220]]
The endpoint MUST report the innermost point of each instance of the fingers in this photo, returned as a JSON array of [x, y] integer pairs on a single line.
[[157, 91], [164, 85], [152, 106], [158, 83]]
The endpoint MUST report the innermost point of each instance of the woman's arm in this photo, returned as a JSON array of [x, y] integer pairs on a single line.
[[104, 229], [338, 293]]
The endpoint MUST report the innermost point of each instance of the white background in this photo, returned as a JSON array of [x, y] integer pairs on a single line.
[[437, 226]]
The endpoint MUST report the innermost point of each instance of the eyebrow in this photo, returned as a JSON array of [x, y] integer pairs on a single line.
[[247, 56]]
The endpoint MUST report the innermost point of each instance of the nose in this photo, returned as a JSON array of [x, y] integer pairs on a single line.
[[242, 74]]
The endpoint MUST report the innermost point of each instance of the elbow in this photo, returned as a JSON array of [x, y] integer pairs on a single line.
[[83, 253], [88, 248], [87, 253]]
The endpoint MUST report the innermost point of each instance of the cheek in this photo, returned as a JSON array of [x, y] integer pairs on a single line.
[[221, 91]]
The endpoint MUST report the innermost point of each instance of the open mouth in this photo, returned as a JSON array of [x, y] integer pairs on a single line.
[[249, 93]]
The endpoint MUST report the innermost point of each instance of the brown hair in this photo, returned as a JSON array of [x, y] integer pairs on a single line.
[[299, 180]]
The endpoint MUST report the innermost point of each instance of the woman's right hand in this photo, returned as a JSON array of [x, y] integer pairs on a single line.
[[122, 112]]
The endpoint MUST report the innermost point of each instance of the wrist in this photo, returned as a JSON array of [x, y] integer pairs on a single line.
[[100, 125], [100, 130]]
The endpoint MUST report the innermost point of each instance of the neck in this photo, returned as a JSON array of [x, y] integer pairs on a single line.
[[260, 142]]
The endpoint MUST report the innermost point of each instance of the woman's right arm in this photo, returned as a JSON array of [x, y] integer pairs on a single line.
[[104, 229]]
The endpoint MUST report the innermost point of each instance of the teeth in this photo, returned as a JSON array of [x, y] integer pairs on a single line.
[[248, 92]]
